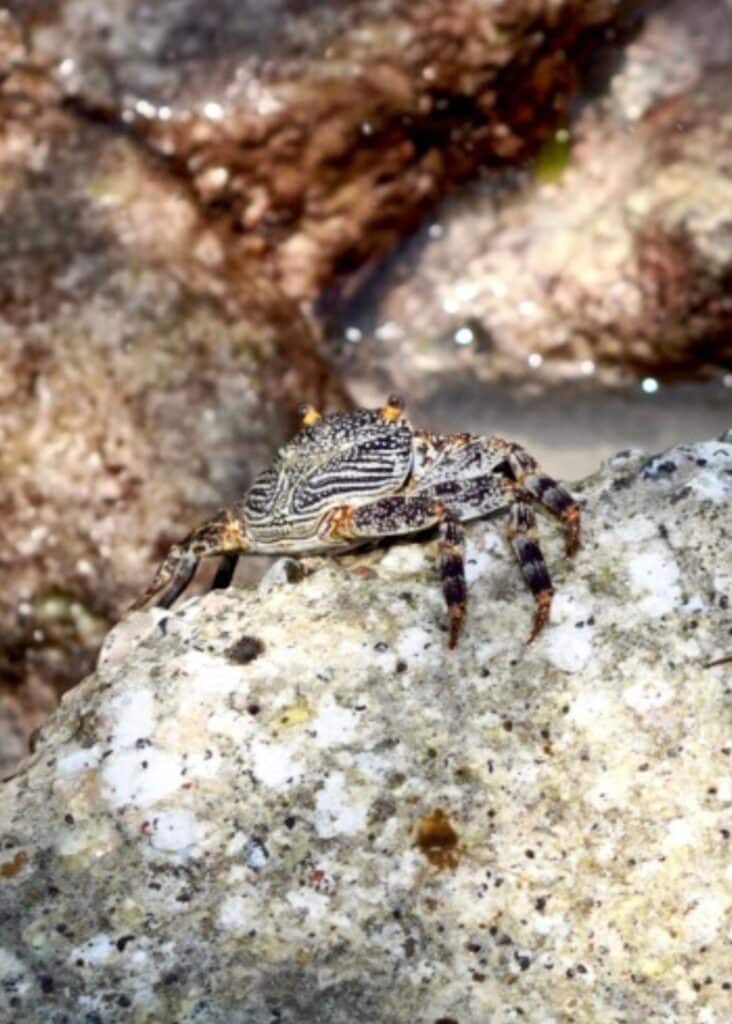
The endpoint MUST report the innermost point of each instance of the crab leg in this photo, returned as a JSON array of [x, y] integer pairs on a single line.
[[403, 515], [452, 570], [221, 535], [523, 538], [546, 490], [225, 572]]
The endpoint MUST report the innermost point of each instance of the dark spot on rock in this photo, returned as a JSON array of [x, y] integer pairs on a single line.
[[540, 903], [170, 978], [290, 821], [124, 1001], [244, 650], [381, 646], [253, 709], [123, 941], [446, 1020], [438, 840], [401, 666], [69, 819], [46, 983]]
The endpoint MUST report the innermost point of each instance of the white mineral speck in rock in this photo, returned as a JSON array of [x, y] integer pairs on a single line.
[[140, 777], [414, 642], [95, 950], [336, 808], [132, 716], [272, 764], [78, 761], [568, 648], [648, 694], [569, 645], [680, 833], [333, 724], [654, 578], [707, 915], [239, 914], [712, 486], [175, 831]]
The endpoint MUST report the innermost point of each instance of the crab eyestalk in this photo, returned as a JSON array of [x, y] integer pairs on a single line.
[[393, 409], [309, 415]]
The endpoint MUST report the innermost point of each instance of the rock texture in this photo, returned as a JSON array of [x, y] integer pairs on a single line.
[[322, 132], [296, 805], [139, 389], [610, 253]]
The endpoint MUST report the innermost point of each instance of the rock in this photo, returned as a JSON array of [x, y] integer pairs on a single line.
[[322, 132], [139, 387], [298, 805], [609, 255]]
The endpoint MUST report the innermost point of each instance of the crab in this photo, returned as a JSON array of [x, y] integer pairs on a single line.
[[347, 480]]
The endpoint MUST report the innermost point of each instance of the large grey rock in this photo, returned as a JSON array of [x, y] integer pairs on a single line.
[[296, 805]]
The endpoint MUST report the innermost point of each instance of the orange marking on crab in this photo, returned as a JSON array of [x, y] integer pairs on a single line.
[[541, 615], [571, 516], [393, 409], [309, 415], [339, 524]]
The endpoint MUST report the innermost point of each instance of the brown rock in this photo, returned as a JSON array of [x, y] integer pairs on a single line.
[[611, 253], [144, 377], [324, 131]]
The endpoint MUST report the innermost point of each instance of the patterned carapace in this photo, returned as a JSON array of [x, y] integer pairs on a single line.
[[349, 479]]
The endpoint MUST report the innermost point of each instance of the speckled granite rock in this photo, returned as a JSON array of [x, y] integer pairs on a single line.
[[296, 805]]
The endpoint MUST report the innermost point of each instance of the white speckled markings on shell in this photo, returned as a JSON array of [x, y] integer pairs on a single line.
[[202, 840]]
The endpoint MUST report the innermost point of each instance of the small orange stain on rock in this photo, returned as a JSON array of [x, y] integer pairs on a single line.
[[11, 867], [438, 840]]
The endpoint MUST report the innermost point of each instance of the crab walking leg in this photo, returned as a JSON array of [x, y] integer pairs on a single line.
[[522, 535], [452, 569], [403, 515], [547, 491], [225, 572], [221, 535]]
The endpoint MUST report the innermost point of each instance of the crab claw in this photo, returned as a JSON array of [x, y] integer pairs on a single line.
[[171, 579], [225, 534]]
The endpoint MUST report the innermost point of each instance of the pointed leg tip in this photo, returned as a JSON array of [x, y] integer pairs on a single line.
[[572, 519], [541, 615], [456, 625]]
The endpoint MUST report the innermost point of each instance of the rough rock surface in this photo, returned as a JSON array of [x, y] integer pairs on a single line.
[[322, 131], [613, 250], [138, 389], [296, 805]]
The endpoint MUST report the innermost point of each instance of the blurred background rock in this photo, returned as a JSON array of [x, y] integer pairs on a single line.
[[517, 213]]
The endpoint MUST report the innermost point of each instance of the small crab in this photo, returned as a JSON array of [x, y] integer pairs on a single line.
[[349, 479]]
